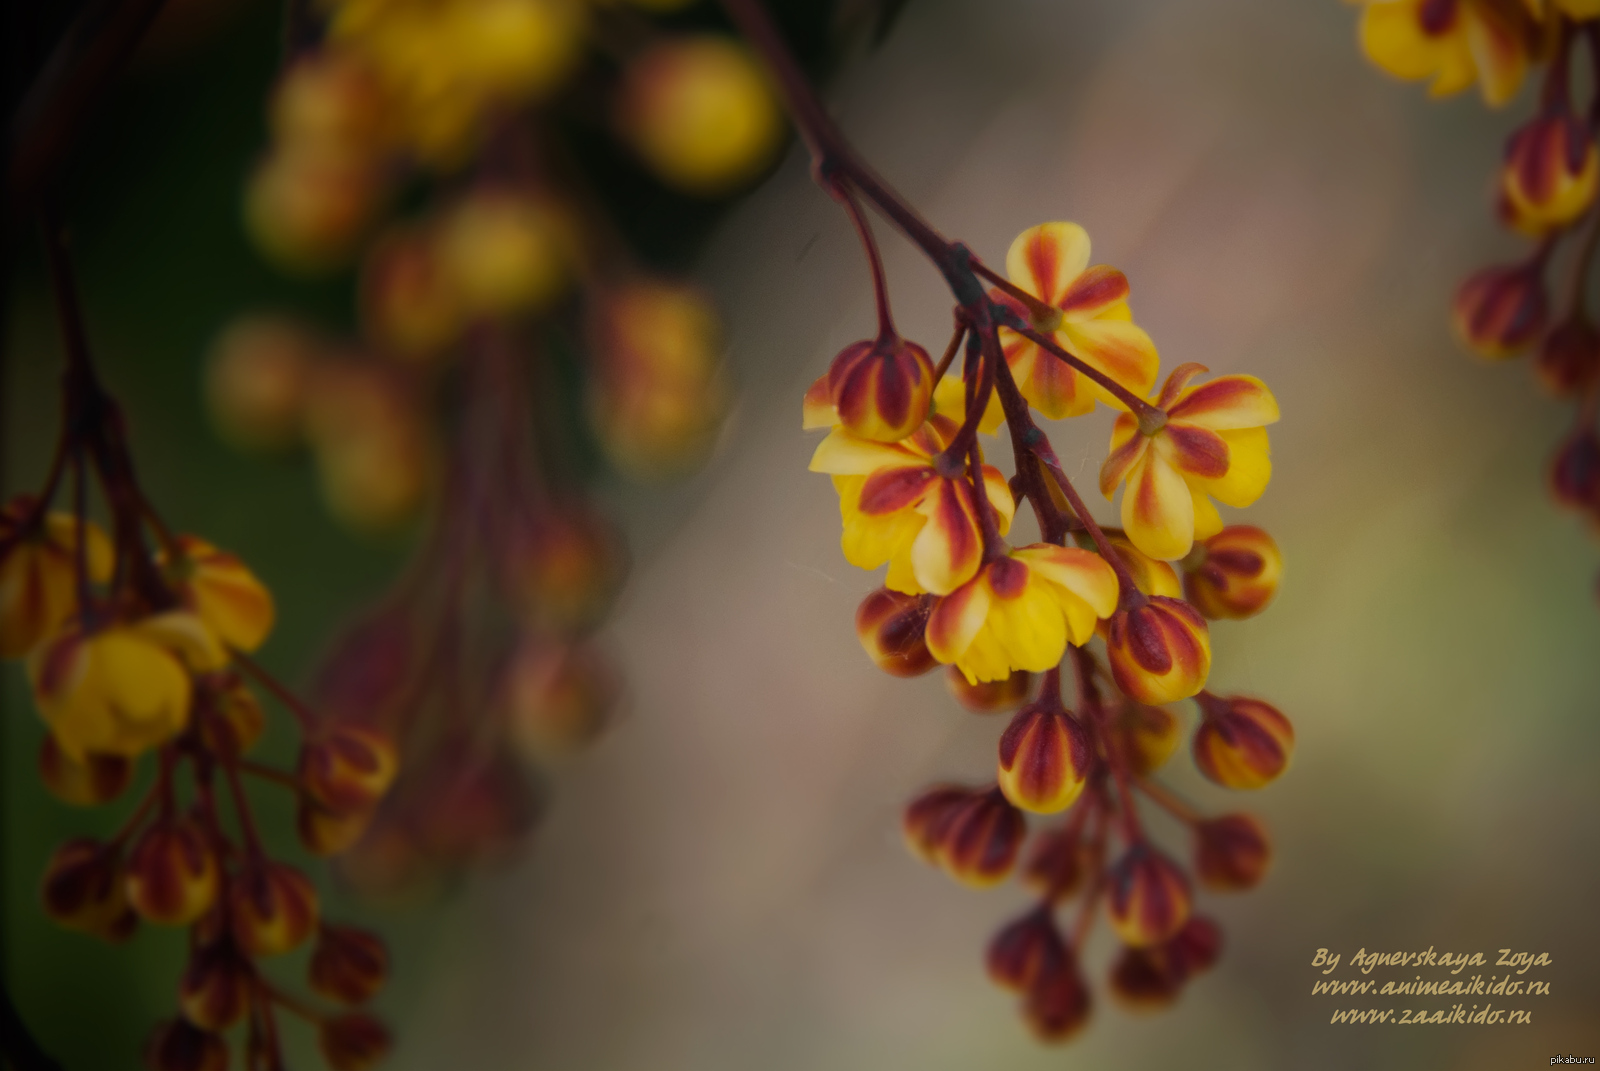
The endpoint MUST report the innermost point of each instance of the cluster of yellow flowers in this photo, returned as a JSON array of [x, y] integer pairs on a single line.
[[915, 495], [1545, 191], [131, 651]]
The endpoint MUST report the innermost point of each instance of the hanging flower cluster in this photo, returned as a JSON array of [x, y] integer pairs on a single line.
[[504, 307], [1545, 191], [134, 650], [1056, 336]]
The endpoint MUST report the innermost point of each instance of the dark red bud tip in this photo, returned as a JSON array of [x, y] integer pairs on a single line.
[[890, 626], [173, 875], [882, 387], [1027, 951], [1147, 897], [1500, 311], [1569, 356], [1058, 1006], [1242, 743], [1231, 852], [273, 908], [980, 844], [1575, 471], [348, 965], [353, 1042]]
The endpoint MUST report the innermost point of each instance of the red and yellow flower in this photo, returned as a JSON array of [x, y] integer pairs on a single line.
[[1453, 43], [1090, 320], [1212, 443]]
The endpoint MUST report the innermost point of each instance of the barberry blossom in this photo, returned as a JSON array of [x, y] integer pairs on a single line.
[[1021, 610], [1091, 321], [1452, 42], [898, 509], [1211, 444]]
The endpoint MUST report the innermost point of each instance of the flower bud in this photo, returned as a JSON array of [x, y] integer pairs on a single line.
[[172, 873], [348, 767], [981, 842], [325, 832], [559, 697], [1044, 759], [1551, 169], [39, 572], [353, 1042], [1160, 651], [698, 112], [1147, 736], [178, 1045], [1242, 743], [1500, 311], [927, 818], [272, 907], [97, 779], [1196, 947], [1057, 1007], [1231, 852], [890, 625], [232, 720], [1059, 863], [83, 887], [988, 697], [307, 206], [1028, 951], [329, 99], [348, 965], [1141, 979], [372, 449], [215, 990], [568, 569], [256, 377], [409, 303], [1569, 355], [504, 253], [1575, 471], [1235, 573], [1147, 896], [882, 387]]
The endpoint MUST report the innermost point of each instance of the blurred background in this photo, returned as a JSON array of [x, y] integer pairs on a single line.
[[720, 883]]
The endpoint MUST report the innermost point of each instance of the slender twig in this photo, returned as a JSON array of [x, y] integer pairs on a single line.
[[1168, 800], [302, 713]]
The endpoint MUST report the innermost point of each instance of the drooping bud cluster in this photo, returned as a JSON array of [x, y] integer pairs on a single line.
[[136, 646], [1545, 190], [915, 495]]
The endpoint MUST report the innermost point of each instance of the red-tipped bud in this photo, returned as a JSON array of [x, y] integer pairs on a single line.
[[215, 990], [348, 768], [882, 387], [981, 842], [1551, 169], [1575, 471], [273, 908], [1147, 736], [1231, 852], [1058, 864], [1058, 1006], [1500, 311], [349, 965], [99, 779], [325, 832], [1142, 981], [178, 1045], [1242, 743], [1044, 759], [231, 721], [989, 697], [559, 697], [1235, 574], [173, 875], [890, 626], [83, 887], [928, 817], [1027, 952], [353, 1042], [1569, 356], [1159, 652], [568, 569], [1147, 897], [1197, 946]]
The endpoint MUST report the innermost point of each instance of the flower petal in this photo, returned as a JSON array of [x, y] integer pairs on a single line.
[[1226, 402], [1093, 293], [1207, 521], [1496, 50], [1193, 451], [1051, 385], [950, 400], [1044, 260], [1157, 510], [843, 454], [1392, 37], [999, 490], [949, 549], [1029, 628], [1249, 468], [956, 619], [897, 487], [818, 410], [1118, 348], [1127, 448], [1082, 572], [868, 541]]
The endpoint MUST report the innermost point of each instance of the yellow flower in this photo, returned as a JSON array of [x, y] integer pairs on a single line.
[[898, 509], [1021, 610], [1212, 443], [121, 689], [1091, 322], [222, 592], [1453, 42], [38, 574]]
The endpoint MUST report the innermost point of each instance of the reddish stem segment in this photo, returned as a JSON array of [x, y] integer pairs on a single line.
[[302, 713]]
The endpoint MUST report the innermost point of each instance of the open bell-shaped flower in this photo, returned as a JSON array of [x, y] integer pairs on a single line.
[[1208, 441], [1089, 318], [898, 508], [1241, 743], [1045, 758], [1021, 610], [1159, 650]]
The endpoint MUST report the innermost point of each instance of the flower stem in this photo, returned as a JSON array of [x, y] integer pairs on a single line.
[[291, 702], [880, 284]]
